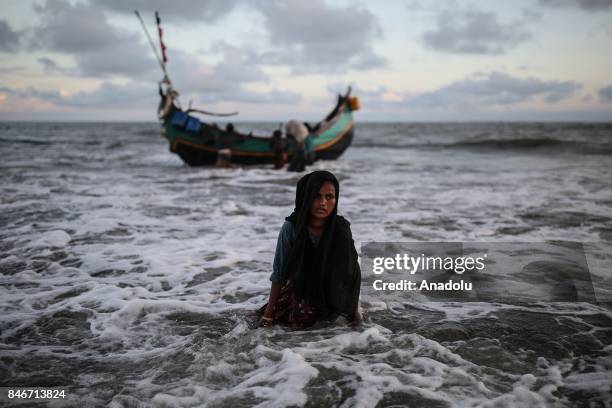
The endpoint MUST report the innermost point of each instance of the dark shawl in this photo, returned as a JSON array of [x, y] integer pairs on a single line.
[[331, 280]]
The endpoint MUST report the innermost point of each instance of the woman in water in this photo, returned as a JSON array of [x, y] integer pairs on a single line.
[[316, 274]]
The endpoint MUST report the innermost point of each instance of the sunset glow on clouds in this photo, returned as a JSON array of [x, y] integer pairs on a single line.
[[273, 60]]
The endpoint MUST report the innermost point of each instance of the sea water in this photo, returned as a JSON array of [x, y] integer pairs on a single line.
[[129, 278]]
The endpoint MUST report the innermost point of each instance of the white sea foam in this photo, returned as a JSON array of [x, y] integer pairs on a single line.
[[55, 239], [119, 265]]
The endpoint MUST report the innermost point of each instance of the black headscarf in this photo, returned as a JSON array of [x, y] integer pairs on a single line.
[[331, 280]]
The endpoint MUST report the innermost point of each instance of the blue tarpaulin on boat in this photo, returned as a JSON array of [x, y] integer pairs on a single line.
[[193, 125], [179, 119]]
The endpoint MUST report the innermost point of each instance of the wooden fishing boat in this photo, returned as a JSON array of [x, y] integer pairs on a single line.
[[198, 143]]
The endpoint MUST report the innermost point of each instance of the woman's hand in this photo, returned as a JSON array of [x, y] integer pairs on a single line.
[[268, 317], [265, 321], [358, 319]]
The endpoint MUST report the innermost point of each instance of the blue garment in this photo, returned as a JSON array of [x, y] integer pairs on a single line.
[[286, 237]]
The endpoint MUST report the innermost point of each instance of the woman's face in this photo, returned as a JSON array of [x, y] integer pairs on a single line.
[[324, 202]]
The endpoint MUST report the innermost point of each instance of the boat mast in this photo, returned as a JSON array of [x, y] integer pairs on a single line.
[[162, 64]]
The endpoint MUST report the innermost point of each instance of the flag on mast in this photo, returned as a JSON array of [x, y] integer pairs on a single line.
[[161, 41]]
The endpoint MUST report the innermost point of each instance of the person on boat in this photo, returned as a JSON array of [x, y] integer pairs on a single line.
[[297, 133], [278, 149], [316, 273]]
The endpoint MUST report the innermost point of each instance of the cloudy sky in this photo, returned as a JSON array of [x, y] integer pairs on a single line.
[[412, 60]]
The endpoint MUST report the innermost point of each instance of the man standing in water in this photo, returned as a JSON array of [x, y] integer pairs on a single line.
[[298, 133], [278, 149]]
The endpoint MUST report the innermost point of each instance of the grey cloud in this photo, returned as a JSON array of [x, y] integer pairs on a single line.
[[605, 94], [99, 49], [9, 38], [185, 10], [10, 70], [51, 67], [316, 36], [363, 93], [51, 96], [307, 36], [367, 59], [274, 96], [225, 80], [78, 28], [48, 64], [476, 32], [107, 95], [192, 74], [236, 66], [494, 89], [588, 5], [128, 58]]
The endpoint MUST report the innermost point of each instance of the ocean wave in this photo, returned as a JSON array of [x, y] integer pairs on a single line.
[[497, 144], [27, 141]]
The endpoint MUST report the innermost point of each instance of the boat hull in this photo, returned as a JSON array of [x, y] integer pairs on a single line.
[[201, 147], [203, 155]]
